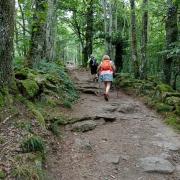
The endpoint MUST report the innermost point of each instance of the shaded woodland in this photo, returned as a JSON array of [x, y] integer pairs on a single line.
[[38, 38]]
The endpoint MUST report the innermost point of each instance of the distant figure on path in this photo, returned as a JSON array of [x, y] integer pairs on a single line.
[[93, 66], [106, 70]]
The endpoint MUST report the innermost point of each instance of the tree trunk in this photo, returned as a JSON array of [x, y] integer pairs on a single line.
[[133, 40], [118, 56], [110, 52], [89, 33], [38, 37], [51, 31], [7, 11], [143, 68], [171, 37], [104, 2]]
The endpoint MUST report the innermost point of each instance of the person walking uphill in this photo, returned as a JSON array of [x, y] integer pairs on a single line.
[[106, 70], [93, 66]]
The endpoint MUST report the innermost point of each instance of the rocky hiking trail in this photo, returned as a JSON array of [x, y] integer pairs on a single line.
[[120, 139]]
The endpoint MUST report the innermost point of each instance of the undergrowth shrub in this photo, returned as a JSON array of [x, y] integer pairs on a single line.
[[58, 70], [33, 144], [54, 127]]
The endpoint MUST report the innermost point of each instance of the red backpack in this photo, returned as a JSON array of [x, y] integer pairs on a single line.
[[106, 65]]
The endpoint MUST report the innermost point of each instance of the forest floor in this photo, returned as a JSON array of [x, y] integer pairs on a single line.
[[123, 140]]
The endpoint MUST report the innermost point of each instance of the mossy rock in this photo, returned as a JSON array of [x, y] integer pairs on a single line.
[[53, 79], [161, 107], [50, 86], [28, 88], [172, 101], [25, 73], [146, 88], [174, 94], [161, 90], [164, 88], [22, 74], [40, 79]]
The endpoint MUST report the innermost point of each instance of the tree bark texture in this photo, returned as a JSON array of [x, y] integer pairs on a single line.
[[104, 2], [7, 10], [134, 40], [89, 33], [38, 37], [143, 66], [171, 37], [51, 31]]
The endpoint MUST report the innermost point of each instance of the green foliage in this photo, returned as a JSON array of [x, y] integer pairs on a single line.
[[24, 125], [33, 144], [173, 121], [2, 174], [54, 127], [39, 117], [161, 107], [67, 104], [177, 110], [1, 100], [19, 62], [24, 171]]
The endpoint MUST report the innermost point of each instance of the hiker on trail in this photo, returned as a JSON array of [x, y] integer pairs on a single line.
[[105, 71], [93, 66]]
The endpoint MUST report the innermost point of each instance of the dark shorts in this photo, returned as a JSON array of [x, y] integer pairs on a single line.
[[94, 70]]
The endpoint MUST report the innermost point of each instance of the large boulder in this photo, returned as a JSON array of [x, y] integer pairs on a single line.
[[172, 101], [28, 88], [161, 90]]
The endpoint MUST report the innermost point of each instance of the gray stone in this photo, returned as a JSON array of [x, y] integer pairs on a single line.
[[84, 126], [110, 158], [127, 108], [83, 144], [106, 118], [110, 109], [124, 157], [167, 145], [156, 164]]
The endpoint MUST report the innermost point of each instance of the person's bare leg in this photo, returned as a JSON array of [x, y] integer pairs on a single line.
[[105, 85], [108, 86]]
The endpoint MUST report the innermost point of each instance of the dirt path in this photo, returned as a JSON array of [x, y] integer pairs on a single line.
[[115, 150]]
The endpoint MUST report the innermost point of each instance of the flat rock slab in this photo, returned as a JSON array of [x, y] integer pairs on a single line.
[[167, 145], [110, 158], [106, 118], [84, 126], [156, 164], [127, 108]]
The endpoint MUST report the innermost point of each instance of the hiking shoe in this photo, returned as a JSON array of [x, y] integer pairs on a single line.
[[106, 97]]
